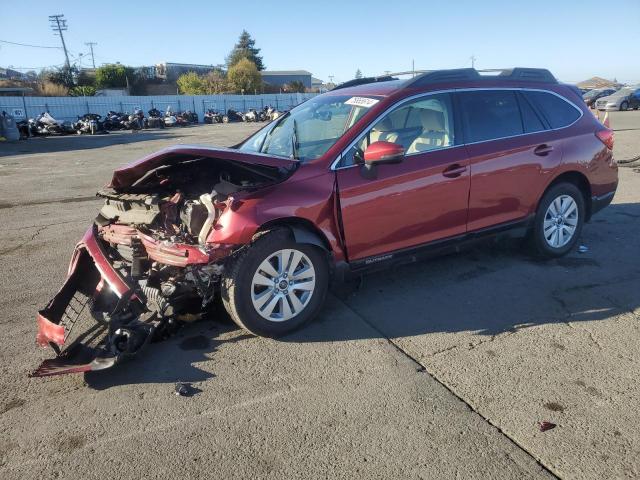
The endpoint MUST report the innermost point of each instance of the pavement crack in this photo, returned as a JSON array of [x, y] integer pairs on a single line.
[[451, 390], [25, 243]]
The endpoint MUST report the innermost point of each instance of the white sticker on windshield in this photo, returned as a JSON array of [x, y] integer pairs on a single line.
[[361, 102]]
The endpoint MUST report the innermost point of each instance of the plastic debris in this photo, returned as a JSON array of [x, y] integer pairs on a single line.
[[186, 389], [583, 249], [544, 426]]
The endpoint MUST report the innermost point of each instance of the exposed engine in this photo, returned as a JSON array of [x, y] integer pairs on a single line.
[[167, 213]]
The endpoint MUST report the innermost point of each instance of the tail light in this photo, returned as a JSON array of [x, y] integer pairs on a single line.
[[606, 137]]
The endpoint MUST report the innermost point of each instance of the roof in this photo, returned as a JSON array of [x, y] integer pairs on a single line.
[[285, 72], [387, 84], [596, 82]]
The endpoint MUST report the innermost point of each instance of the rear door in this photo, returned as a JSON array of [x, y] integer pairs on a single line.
[[512, 151]]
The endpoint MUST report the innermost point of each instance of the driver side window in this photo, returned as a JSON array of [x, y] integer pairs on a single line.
[[420, 125]]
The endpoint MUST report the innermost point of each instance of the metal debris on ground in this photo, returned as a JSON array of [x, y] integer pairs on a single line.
[[583, 249], [186, 389], [544, 426]]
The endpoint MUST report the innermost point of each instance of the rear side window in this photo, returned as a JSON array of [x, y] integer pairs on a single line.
[[558, 112], [488, 115], [530, 119]]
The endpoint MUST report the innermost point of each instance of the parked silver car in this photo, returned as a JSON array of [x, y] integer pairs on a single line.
[[623, 99]]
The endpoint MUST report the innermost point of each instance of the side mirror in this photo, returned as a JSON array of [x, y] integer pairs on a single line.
[[383, 152]]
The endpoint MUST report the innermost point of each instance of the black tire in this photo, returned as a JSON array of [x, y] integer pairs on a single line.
[[237, 284], [537, 239], [624, 106]]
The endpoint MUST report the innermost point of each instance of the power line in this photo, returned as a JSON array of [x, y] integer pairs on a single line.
[[59, 24], [26, 44]]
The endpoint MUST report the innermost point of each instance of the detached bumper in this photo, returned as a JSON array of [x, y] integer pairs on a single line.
[[90, 276]]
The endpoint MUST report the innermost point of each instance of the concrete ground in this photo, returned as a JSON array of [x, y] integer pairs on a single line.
[[435, 370]]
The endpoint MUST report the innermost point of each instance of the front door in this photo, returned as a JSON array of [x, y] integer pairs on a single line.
[[422, 199]]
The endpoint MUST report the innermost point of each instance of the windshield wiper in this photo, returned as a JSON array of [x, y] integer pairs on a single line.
[[294, 140]]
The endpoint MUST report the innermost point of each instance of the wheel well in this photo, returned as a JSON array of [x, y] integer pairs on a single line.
[[580, 181], [300, 227]]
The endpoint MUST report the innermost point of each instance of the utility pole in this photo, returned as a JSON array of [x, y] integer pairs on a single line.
[[413, 68], [473, 61], [91, 45], [331, 78], [59, 24]]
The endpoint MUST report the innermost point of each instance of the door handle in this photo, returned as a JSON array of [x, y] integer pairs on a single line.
[[453, 171], [543, 150]]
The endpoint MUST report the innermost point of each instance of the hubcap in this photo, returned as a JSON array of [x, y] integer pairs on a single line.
[[560, 221], [283, 285]]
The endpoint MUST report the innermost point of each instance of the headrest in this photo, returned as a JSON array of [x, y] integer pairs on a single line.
[[384, 125], [432, 120]]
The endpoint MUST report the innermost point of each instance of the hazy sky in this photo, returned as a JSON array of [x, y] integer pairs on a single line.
[[574, 39]]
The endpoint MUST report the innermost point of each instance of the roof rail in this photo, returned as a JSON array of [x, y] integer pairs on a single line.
[[461, 74], [362, 81]]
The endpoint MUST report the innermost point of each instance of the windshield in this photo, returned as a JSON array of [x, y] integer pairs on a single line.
[[591, 93], [311, 128]]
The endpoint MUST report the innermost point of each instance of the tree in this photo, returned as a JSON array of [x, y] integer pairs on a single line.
[[245, 48], [113, 76], [190, 84], [358, 74], [244, 77], [215, 82], [64, 76], [295, 86]]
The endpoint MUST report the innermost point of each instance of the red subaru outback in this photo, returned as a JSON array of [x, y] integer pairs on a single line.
[[376, 171]]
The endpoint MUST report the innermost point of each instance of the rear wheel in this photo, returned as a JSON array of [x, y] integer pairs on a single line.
[[558, 221], [624, 106], [275, 285]]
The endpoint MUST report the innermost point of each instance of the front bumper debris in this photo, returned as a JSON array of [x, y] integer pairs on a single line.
[[95, 319]]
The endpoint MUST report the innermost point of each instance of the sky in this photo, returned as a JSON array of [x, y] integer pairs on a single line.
[[574, 39]]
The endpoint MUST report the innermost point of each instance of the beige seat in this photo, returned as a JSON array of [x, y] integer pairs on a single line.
[[433, 135], [383, 131]]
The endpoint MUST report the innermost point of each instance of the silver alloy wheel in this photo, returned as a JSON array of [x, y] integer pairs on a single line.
[[560, 221], [283, 285]]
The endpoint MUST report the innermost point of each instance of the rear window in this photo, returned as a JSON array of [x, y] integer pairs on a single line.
[[558, 112], [489, 115]]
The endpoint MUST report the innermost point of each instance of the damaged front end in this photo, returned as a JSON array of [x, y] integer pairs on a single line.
[[149, 262]]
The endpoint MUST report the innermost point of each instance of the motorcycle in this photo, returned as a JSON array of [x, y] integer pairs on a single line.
[[114, 120], [232, 116], [251, 116], [45, 124], [134, 121], [155, 119], [88, 123], [212, 116], [170, 120], [189, 117]]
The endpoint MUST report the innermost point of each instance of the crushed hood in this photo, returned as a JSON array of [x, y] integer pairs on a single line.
[[126, 176]]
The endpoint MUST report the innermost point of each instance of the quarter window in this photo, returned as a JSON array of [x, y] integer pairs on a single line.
[[488, 115], [422, 125], [558, 112]]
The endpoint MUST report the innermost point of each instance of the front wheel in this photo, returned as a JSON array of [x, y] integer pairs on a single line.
[[624, 106], [275, 285], [558, 221]]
